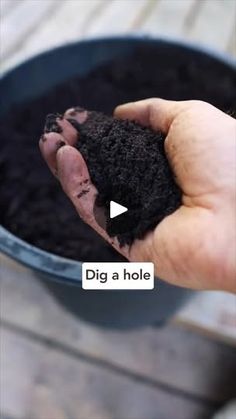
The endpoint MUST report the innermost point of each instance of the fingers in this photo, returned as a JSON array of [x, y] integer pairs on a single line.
[[76, 183], [63, 132], [50, 143], [69, 166], [155, 113], [75, 180], [69, 133]]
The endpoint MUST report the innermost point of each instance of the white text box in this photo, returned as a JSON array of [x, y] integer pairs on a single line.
[[118, 276]]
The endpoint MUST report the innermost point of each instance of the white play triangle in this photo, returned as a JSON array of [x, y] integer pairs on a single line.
[[116, 209]]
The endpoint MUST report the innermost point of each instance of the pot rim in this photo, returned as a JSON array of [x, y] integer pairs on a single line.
[[61, 268]]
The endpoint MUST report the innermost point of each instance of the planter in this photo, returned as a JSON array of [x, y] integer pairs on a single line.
[[62, 276]]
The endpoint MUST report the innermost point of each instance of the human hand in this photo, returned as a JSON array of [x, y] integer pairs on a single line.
[[196, 245]]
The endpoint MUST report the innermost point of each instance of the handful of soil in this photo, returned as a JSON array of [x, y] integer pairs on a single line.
[[128, 165], [32, 204]]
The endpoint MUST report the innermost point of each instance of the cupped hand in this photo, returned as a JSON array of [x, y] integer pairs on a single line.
[[196, 245]]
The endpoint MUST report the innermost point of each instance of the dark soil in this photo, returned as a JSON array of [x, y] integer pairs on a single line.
[[127, 164], [32, 205]]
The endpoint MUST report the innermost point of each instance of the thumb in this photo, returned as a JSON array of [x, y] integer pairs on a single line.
[[155, 113]]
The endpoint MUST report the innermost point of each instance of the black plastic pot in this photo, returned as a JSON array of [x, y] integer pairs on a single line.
[[120, 309]]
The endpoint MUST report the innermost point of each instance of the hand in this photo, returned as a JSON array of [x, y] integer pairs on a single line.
[[196, 245]]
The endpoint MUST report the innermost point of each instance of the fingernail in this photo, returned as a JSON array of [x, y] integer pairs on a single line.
[[78, 114], [79, 109], [74, 111]]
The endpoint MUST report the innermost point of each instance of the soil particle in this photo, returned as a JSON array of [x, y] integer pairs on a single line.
[[51, 124], [82, 193]]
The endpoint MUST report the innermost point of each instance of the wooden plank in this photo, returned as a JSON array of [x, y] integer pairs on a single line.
[[171, 355], [214, 23], [45, 383], [228, 411], [213, 313], [19, 365], [73, 19], [66, 24], [7, 6], [232, 43], [168, 17], [18, 24], [119, 17]]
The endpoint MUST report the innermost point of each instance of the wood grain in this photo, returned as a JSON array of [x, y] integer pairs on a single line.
[[28, 30], [7, 6], [40, 382], [214, 313], [66, 24], [171, 356], [119, 17], [19, 365], [21, 22], [168, 17], [214, 24]]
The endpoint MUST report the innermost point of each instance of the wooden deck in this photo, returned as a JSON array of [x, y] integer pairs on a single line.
[[54, 366], [31, 26]]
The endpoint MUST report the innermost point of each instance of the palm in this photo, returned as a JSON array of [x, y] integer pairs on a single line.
[[204, 167]]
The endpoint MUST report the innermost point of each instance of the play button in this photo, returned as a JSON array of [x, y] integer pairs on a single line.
[[116, 209], [114, 217]]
